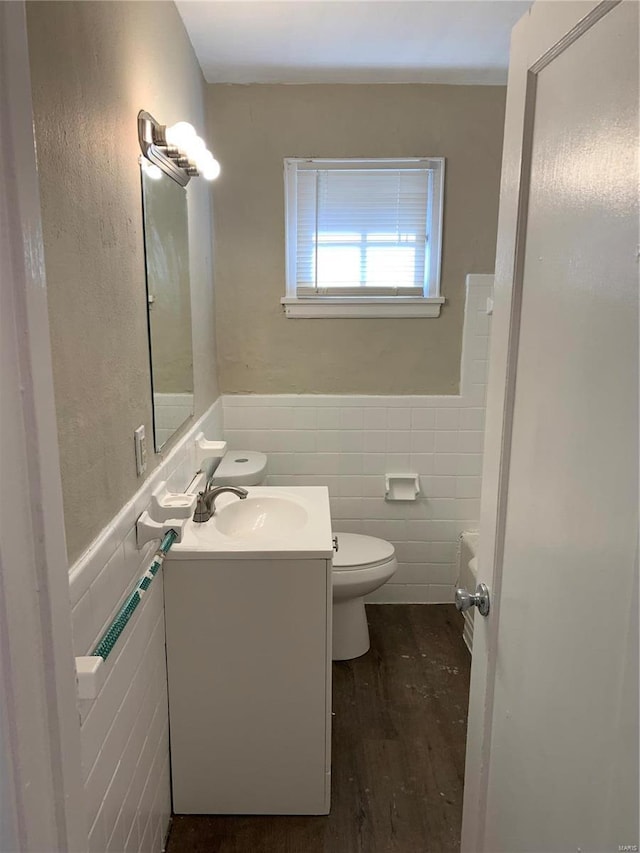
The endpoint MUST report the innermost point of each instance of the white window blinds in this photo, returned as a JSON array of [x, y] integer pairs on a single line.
[[364, 228]]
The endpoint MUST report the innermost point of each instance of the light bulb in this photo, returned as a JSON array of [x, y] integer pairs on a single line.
[[203, 160], [180, 135], [195, 149], [209, 167]]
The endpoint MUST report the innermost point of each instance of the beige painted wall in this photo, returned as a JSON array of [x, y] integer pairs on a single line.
[[252, 129], [94, 66]]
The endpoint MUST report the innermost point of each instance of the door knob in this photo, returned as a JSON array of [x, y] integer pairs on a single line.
[[336, 546], [479, 599]]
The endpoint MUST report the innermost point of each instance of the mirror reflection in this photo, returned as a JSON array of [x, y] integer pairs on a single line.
[[166, 236]]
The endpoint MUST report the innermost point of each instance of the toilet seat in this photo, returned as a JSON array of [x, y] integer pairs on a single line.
[[357, 552]]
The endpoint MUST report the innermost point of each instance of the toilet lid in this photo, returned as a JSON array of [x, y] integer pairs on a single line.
[[240, 468], [356, 551]]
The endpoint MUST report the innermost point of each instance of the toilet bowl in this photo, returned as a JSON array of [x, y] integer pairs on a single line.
[[360, 566]]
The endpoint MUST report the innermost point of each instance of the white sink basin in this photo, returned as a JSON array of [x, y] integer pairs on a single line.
[[284, 521], [263, 517]]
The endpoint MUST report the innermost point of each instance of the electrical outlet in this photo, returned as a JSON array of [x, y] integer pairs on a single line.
[[141, 450]]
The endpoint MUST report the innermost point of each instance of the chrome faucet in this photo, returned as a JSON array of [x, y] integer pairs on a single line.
[[206, 503]]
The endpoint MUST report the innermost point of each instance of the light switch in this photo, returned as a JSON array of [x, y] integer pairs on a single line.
[[141, 450]]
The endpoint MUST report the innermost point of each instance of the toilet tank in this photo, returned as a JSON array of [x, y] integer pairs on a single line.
[[241, 468]]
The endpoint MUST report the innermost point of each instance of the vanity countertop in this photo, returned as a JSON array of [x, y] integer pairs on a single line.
[[285, 522]]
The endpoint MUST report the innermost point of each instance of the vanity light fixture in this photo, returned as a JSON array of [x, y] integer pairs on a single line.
[[177, 149]]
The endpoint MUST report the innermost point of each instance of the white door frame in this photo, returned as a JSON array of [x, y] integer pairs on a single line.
[[40, 762], [546, 30]]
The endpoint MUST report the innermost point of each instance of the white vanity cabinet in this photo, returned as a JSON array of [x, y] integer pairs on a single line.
[[249, 668]]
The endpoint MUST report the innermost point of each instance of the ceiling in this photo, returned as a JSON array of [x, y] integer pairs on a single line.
[[352, 41]]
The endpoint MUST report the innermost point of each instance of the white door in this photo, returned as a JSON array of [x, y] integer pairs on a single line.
[[552, 756], [41, 794]]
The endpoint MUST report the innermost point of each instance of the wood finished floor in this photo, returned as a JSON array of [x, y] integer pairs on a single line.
[[399, 730]]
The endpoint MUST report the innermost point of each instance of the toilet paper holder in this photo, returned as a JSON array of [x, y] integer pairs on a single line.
[[401, 487]]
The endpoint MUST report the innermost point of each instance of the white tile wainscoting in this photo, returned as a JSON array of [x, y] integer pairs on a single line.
[[170, 412], [124, 732], [349, 443]]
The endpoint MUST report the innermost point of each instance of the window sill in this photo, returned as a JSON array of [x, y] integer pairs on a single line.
[[344, 306]]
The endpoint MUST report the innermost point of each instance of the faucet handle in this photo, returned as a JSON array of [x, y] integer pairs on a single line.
[[206, 501], [202, 512]]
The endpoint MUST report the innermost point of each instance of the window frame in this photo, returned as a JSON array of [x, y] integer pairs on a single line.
[[318, 304]]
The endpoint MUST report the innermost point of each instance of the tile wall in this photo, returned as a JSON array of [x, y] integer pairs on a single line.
[[349, 443], [170, 411], [124, 732]]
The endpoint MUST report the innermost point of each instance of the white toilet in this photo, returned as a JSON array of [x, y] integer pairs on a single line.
[[360, 566]]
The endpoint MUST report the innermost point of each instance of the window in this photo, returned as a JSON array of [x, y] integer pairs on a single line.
[[363, 237]]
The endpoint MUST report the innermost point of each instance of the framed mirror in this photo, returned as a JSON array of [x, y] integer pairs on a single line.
[[166, 243]]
